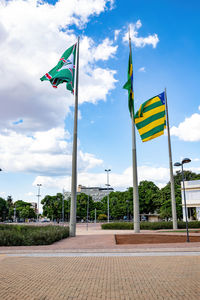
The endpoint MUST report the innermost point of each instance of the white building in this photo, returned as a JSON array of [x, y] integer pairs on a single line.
[[192, 195], [97, 193]]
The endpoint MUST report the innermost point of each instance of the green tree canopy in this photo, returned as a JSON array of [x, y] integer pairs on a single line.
[[3, 209], [149, 197]]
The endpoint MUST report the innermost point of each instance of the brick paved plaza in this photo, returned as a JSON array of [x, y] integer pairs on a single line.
[[91, 266], [100, 278]]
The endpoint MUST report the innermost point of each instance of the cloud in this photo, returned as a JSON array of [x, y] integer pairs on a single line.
[[34, 35], [188, 130], [105, 50], [117, 32], [160, 176], [195, 159], [140, 42], [45, 153], [142, 69]]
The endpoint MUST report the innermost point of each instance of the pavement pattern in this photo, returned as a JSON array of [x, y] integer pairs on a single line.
[[91, 266], [100, 278]]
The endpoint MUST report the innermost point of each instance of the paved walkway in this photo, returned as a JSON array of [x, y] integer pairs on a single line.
[[95, 240], [91, 267]]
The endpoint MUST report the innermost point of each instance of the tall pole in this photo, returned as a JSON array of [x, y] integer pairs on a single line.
[[135, 177], [87, 209], [108, 204], [184, 197], [63, 216], [38, 195], [14, 214], [173, 200], [72, 226]]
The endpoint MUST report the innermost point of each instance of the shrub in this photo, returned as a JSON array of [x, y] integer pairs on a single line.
[[118, 225], [25, 235], [102, 217], [150, 225]]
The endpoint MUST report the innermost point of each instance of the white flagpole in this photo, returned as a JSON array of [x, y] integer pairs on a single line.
[[173, 200], [135, 177], [72, 225]]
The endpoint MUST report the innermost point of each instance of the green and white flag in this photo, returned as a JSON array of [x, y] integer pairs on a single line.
[[64, 71]]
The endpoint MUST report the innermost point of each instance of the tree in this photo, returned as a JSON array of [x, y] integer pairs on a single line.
[[10, 207], [149, 195], [23, 210], [120, 204], [52, 206], [82, 202], [3, 209]]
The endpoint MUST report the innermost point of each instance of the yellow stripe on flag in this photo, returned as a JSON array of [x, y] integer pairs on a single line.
[[153, 136], [154, 100], [131, 70], [151, 125], [150, 113]]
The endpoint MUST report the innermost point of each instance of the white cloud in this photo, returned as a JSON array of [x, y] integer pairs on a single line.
[[33, 36], [105, 50], [193, 169], [117, 32], [189, 129], [45, 152], [29, 194], [160, 176], [140, 41], [195, 159], [142, 69]]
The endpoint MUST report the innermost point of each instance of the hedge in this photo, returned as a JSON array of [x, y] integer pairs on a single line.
[[150, 225], [25, 235]]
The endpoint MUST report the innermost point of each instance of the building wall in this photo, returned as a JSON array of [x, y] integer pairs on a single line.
[[97, 193], [192, 195]]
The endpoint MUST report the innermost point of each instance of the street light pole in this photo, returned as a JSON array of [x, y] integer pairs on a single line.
[[63, 196], [39, 185], [108, 170], [87, 208], [177, 164], [14, 214]]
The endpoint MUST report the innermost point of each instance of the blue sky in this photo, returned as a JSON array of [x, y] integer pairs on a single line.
[[36, 122]]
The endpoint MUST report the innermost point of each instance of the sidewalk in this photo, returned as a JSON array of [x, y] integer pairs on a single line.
[[106, 272], [95, 240]]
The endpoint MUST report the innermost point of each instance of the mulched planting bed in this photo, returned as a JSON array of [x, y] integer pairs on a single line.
[[123, 239]]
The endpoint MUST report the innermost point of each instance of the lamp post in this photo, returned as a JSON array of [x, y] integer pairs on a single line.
[[178, 164], [108, 170], [87, 208], [127, 202], [38, 195], [63, 214], [14, 213]]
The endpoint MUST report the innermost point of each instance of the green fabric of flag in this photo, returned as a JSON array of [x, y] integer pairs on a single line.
[[64, 71], [129, 85], [150, 119]]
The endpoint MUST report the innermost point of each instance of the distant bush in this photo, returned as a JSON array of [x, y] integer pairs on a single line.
[[25, 235], [192, 224], [102, 217], [118, 225], [150, 225]]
